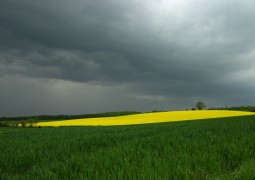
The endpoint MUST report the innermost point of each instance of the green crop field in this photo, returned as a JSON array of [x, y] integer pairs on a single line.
[[221, 148]]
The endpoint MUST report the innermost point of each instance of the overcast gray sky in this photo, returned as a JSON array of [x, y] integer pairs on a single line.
[[88, 56]]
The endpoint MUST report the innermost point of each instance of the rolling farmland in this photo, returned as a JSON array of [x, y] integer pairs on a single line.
[[146, 118], [197, 149]]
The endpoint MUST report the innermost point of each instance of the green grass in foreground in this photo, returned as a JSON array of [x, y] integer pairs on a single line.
[[220, 148]]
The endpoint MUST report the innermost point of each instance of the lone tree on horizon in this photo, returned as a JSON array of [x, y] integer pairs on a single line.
[[200, 105]]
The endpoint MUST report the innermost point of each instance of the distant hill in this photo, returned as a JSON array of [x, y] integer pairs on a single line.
[[236, 108], [65, 117]]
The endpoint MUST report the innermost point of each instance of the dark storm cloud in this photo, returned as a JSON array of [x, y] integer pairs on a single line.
[[158, 50]]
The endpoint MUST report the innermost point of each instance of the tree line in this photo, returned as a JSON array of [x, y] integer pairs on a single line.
[[65, 117]]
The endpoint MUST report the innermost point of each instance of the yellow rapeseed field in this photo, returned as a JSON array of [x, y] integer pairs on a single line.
[[146, 118]]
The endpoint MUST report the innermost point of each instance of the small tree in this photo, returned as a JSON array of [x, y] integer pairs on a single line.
[[23, 124], [32, 122], [200, 105]]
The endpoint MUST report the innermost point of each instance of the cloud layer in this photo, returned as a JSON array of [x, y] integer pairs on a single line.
[[92, 56]]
